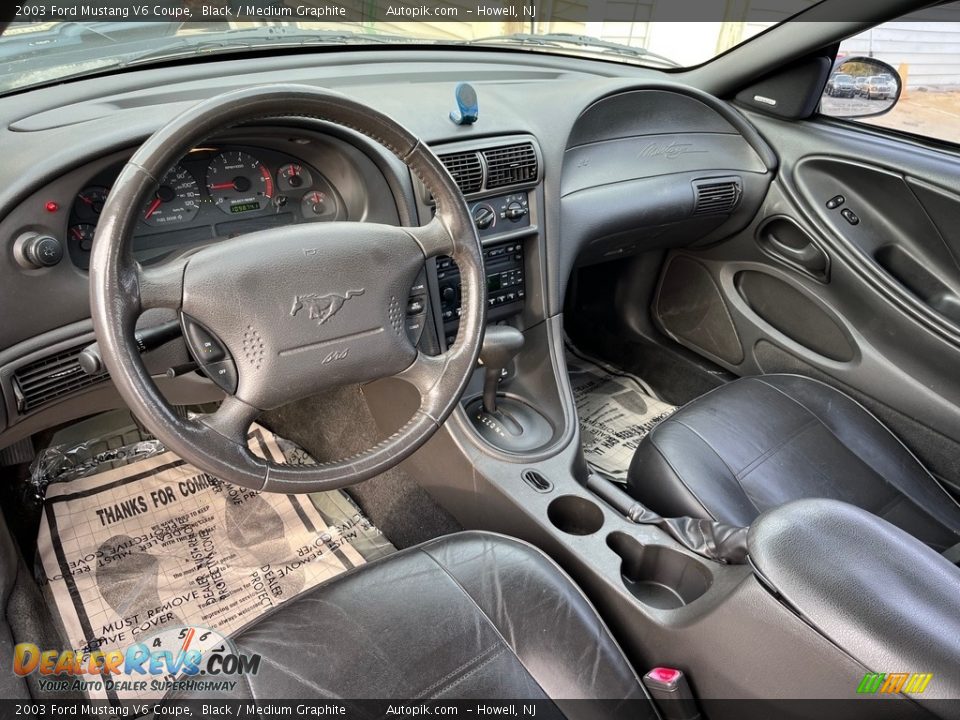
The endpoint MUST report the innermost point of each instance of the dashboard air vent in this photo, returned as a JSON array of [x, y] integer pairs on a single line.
[[716, 196], [510, 165], [466, 170], [46, 380]]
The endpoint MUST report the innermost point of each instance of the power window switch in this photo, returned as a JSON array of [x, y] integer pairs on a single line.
[[850, 216], [835, 202]]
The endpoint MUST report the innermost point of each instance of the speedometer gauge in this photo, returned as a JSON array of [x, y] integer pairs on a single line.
[[239, 183], [176, 200]]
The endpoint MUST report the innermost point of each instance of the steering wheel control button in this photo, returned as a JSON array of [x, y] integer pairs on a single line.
[[415, 306], [850, 216], [204, 345], [415, 329], [835, 202], [224, 374]]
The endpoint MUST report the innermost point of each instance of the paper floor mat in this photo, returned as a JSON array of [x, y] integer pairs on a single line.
[[616, 411], [159, 545]]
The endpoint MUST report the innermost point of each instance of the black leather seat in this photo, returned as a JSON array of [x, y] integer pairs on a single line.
[[471, 615], [759, 442]]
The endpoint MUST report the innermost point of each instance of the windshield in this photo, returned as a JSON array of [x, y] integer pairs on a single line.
[[45, 49]]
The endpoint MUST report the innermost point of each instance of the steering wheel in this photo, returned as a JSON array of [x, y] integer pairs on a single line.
[[244, 294]]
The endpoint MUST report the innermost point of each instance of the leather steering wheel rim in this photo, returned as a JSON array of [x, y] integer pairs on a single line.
[[241, 288]]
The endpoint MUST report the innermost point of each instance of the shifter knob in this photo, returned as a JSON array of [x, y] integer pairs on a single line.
[[501, 343]]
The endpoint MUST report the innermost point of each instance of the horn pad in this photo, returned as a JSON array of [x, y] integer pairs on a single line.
[[305, 308]]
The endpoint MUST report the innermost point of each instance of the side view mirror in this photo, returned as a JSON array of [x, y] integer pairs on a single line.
[[860, 87]]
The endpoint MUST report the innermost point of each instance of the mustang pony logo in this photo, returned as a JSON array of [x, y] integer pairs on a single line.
[[322, 307]]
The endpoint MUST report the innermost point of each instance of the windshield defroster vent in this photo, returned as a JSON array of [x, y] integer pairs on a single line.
[[510, 165], [716, 195], [466, 170], [46, 380]]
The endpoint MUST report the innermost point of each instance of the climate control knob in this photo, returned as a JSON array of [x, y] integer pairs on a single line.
[[484, 216], [515, 211]]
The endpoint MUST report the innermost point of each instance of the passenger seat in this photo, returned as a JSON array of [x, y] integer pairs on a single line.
[[759, 442]]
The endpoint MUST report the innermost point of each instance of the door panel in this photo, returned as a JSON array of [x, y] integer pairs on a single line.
[[893, 224], [873, 306]]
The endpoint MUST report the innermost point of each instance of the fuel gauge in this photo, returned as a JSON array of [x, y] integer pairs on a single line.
[[293, 176], [89, 203]]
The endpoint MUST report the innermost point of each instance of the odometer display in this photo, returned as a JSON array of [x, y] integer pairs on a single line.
[[244, 207], [238, 182]]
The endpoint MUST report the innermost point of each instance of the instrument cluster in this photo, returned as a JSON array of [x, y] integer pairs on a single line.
[[212, 193]]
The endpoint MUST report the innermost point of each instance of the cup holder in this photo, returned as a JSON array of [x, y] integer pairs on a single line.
[[575, 515], [659, 576]]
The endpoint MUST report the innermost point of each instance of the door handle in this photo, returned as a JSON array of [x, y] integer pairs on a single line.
[[785, 240], [809, 256]]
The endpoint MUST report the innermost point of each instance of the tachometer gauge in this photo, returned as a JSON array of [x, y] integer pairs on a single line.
[[239, 183], [89, 203], [293, 177], [176, 200], [82, 236]]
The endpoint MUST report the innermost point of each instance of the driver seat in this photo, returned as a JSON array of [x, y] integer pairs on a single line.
[[470, 615]]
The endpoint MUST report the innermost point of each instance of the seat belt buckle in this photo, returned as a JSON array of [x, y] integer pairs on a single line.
[[671, 693]]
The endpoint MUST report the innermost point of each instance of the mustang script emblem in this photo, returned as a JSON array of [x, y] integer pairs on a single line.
[[322, 307]]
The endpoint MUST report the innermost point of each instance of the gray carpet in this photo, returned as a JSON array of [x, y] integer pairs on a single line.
[[403, 511]]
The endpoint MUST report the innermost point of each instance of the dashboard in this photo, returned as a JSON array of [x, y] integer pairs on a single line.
[[629, 162], [215, 192]]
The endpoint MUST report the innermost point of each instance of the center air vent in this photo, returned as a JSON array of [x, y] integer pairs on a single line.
[[46, 380], [716, 196], [510, 165], [491, 168], [466, 170]]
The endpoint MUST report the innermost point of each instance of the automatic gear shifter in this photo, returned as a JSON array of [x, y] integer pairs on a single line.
[[501, 343], [505, 421]]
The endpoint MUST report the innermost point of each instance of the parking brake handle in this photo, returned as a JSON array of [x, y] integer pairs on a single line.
[[708, 538]]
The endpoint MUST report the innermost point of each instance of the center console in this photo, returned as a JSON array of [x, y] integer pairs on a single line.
[[507, 403]]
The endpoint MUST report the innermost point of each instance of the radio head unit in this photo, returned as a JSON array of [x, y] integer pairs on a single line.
[[505, 285]]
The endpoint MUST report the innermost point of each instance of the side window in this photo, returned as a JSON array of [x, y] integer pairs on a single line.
[[918, 55]]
